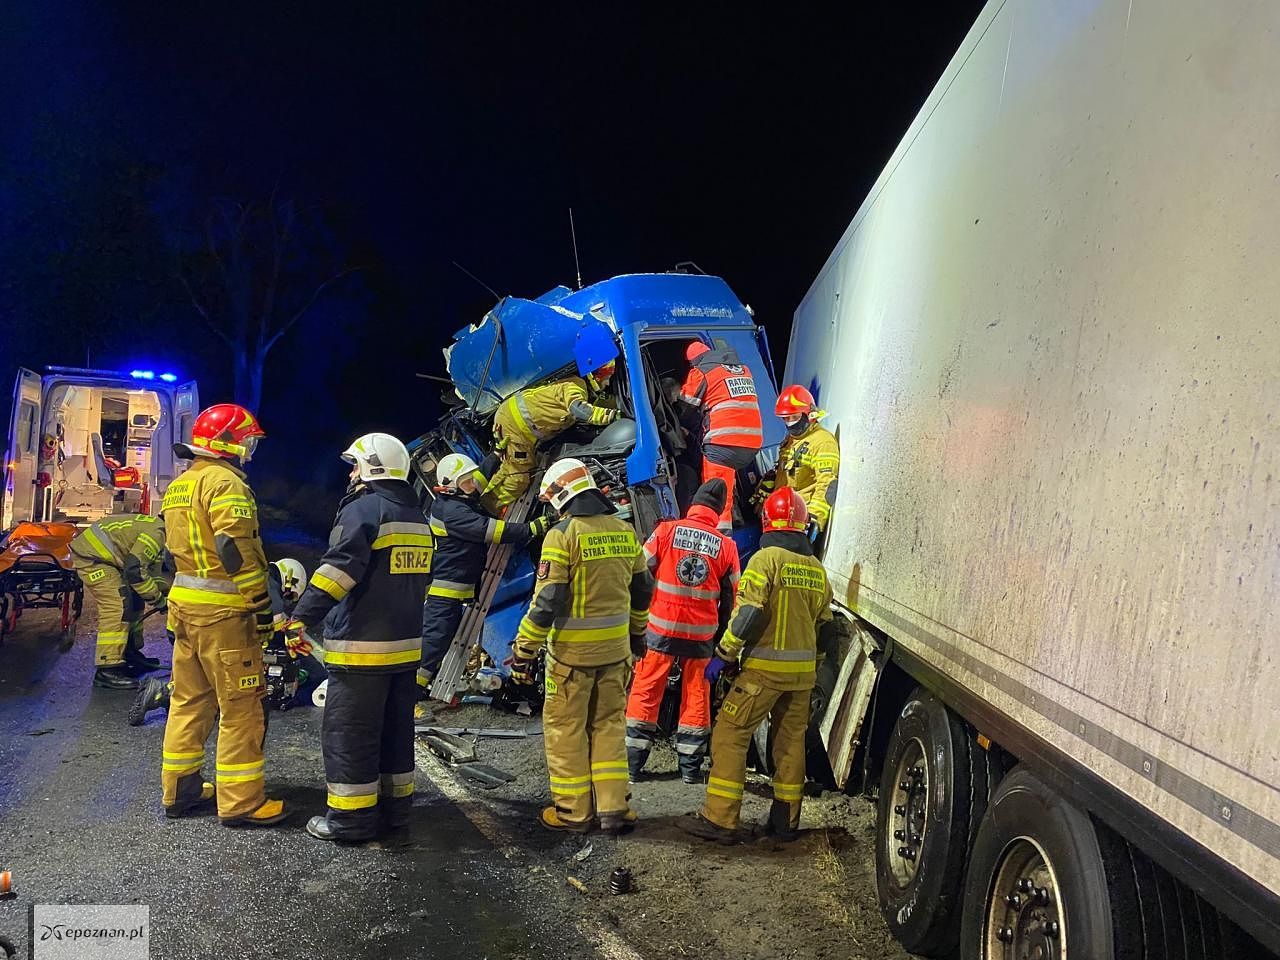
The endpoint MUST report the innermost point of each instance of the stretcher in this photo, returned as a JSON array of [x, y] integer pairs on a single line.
[[36, 573]]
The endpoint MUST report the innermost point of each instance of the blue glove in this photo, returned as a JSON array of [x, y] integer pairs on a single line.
[[714, 669]]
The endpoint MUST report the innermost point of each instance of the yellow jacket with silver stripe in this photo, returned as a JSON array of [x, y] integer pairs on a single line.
[[133, 545], [810, 465], [782, 598], [592, 590], [372, 581], [538, 413], [211, 528]]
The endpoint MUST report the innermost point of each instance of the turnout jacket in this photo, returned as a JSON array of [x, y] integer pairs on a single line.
[[133, 545], [539, 413], [463, 532], [782, 597], [211, 529], [695, 570], [810, 465], [373, 578], [724, 390], [592, 591]]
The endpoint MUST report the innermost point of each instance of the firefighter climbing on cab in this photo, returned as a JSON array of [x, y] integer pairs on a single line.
[[723, 390], [782, 598], [462, 532], [220, 616], [375, 573], [119, 560], [809, 458], [592, 593], [695, 570], [533, 416]]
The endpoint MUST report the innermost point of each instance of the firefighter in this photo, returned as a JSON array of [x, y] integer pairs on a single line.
[[782, 598], [722, 389], [592, 592], [533, 416], [220, 616], [695, 569], [375, 574], [119, 560], [809, 458], [462, 532]]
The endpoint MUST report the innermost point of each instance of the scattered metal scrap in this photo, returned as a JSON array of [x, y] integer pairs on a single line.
[[460, 753]]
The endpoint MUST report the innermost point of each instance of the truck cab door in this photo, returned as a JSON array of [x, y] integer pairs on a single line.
[[164, 465], [22, 454]]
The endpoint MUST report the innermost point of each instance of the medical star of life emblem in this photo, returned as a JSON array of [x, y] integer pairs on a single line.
[[692, 570]]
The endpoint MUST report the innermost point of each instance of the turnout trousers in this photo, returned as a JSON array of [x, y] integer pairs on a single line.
[[648, 687], [749, 704], [118, 623], [440, 619], [583, 723], [367, 738], [217, 672], [514, 473]]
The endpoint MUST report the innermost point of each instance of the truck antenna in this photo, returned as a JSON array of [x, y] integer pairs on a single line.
[[573, 235], [496, 295]]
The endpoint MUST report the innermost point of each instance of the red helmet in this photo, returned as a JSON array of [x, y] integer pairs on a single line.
[[785, 510], [793, 400], [226, 431], [695, 350]]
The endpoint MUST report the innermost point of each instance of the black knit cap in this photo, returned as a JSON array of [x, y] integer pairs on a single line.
[[711, 494]]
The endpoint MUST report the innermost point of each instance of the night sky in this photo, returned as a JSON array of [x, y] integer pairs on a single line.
[[418, 134]]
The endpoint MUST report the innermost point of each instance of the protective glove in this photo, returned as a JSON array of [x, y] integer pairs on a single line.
[[263, 625], [295, 640], [717, 666], [160, 604], [524, 669], [539, 525], [639, 645]]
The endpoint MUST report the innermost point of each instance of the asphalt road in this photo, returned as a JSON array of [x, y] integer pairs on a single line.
[[80, 821]]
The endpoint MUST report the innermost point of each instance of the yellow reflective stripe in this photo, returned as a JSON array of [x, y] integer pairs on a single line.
[[589, 635], [499, 526], [397, 790], [585, 778], [514, 407], [580, 592], [439, 529], [353, 803], [608, 770], [193, 755], [531, 630], [465, 593], [344, 659], [99, 547], [188, 766], [331, 587], [403, 540], [571, 791], [724, 788], [788, 791], [240, 777], [554, 553], [781, 620], [234, 499], [147, 541], [196, 541], [191, 595], [250, 579], [755, 576], [781, 666]]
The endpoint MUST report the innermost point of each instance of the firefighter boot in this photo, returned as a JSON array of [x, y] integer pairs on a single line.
[[618, 823], [551, 820], [193, 791], [699, 826], [114, 678], [268, 815], [152, 695]]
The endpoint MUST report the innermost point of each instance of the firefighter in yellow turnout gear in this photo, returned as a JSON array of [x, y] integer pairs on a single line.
[[590, 609], [118, 559], [809, 458], [220, 615], [534, 415], [782, 598]]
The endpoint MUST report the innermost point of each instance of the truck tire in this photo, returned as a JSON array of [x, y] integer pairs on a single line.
[[933, 791], [1042, 877]]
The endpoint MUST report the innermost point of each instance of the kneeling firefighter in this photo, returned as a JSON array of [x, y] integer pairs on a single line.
[[589, 609], [782, 598], [375, 573], [463, 533], [695, 570], [119, 559]]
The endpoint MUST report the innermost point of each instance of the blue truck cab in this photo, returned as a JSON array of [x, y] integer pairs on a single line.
[[645, 462]]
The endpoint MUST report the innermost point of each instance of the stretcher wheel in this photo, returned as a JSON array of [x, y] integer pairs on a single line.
[[70, 620]]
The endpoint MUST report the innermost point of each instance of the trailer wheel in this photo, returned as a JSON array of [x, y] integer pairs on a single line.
[[1043, 881], [933, 789]]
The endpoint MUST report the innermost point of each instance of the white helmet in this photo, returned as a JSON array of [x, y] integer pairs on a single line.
[[379, 456], [452, 468], [293, 576], [564, 480]]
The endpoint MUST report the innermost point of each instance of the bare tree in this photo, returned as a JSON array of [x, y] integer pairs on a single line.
[[252, 272]]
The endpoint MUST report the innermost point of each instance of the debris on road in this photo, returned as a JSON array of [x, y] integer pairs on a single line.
[[577, 885]]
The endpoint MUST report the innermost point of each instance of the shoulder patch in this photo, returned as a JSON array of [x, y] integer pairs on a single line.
[[544, 569]]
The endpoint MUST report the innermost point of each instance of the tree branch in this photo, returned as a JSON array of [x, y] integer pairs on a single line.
[[200, 309], [309, 304]]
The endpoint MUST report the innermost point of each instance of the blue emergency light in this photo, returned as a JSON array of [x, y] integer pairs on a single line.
[[151, 375], [169, 377]]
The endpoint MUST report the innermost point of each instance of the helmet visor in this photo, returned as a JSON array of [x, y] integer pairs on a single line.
[[250, 444]]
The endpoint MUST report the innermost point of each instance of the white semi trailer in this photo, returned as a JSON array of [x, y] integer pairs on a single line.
[[1048, 343]]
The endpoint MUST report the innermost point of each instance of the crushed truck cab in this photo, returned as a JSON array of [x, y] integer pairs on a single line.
[[643, 461]]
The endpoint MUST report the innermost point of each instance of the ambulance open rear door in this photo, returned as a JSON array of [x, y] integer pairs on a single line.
[[17, 499]]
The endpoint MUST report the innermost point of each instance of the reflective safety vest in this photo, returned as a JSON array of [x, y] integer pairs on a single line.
[[374, 579], [210, 514], [539, 413], [592, 591], [782, 598], [725, 391], [810, 465], [695, 570], [131, 544]]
